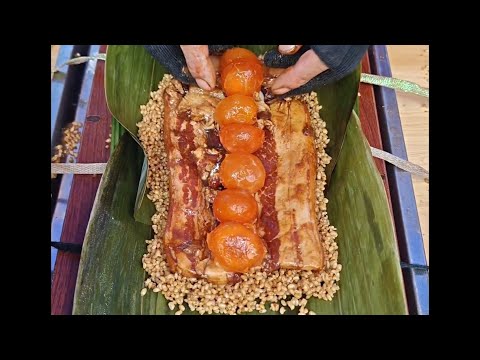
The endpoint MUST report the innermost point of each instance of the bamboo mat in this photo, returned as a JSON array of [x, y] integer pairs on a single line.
[[410, 62]]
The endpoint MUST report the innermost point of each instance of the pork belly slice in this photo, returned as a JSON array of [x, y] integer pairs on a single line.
[[189, 217], [288, 199], [200, 104]]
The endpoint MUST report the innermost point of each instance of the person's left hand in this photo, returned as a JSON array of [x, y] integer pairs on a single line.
[[306, 68]]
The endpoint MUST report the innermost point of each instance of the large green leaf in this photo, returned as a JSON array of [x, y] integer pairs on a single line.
[[371, 280], [111, 277], [143, 209], [337, 101], [130, 75], [117, 131]]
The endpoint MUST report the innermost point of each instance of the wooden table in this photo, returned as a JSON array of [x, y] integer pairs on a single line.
[[410, 62], [92, 149]]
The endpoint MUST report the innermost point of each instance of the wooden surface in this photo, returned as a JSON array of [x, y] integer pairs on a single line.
[[410, 62], [82, 195], [369, 122]]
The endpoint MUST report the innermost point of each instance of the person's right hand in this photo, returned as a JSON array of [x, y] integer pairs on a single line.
[[189, 63], [200, 65]]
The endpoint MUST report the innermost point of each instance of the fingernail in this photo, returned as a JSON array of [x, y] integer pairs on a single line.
[[280, 91], [203, 84], [286, 49]]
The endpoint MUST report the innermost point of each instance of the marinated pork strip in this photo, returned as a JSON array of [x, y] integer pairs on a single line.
[[288, 217], [189, 219]]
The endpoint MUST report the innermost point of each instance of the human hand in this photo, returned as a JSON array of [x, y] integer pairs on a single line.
[[189, 63], [306, 68], [200, 65]]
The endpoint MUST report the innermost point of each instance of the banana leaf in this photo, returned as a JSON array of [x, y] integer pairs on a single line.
[[123, 81], [143, 209], [117, 132], [130, 74], [371, 280], [111, 276]]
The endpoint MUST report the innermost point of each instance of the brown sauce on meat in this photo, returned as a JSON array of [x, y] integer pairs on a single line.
[[189, 176], [213, 142], [264, 115], [214, 181], [307, 130], [234, 278], [213, 139]]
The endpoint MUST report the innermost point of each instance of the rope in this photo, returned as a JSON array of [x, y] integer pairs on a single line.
[[400, 163], [403, 85], [404, 265], [82, 59], [93, 168], [99, 168]]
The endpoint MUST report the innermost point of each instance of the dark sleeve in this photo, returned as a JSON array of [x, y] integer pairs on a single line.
[[171, 57], [341, 59]]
